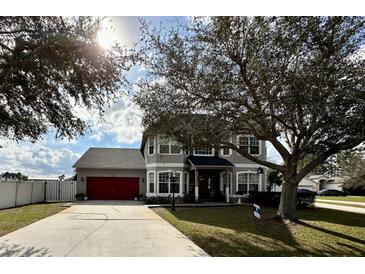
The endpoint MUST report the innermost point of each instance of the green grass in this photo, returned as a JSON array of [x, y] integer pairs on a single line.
[[15, 218], [341, 204], [346, 198], [233, 232]]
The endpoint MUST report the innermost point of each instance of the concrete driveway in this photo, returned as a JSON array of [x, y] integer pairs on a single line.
[[100, 228]]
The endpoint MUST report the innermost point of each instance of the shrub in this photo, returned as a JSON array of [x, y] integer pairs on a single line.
[[79, 196], [189, 198], [217, 196], [355, 185], [157, 200], [273, 198]]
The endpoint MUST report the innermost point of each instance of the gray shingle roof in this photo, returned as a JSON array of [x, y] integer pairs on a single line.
[[111, 158]]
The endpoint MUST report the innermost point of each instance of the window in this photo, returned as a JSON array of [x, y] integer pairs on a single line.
[[249, 144], [247, 182], [204, 151], [151, 145], [175, 147], [164, 145], [168, 146], [225, 151], [164, 182], [151, 182]]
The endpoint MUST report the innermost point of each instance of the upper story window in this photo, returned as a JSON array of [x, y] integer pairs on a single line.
[[249, 144], [168, 146], [226, 151], [204, 151], [151, 145]]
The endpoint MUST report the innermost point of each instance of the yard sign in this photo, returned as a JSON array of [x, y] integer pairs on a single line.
[[257, 211]]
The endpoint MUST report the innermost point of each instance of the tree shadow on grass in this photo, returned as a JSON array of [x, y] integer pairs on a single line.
[[241, 220], [16, 250], [333, 233], [332, 216], [266, 237]]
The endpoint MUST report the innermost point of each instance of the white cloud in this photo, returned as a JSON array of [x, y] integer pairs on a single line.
[[121, 121], [36, 159]]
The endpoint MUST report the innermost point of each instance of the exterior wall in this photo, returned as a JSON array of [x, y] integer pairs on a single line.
[[236, 158], [159, 162], [308, 184], [156, 170], [251, 169], [83, 173]]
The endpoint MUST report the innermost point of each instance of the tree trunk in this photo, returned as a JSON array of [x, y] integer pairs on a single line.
[[288, 201]]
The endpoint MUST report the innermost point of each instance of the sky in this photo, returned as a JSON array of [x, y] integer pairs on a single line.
[[120, 127]]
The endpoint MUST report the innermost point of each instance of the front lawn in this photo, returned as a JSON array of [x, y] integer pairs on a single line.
[[15, 218], [232, 232], [341, 198]]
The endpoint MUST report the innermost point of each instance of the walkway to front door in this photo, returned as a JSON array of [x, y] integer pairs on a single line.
[[100, 228]]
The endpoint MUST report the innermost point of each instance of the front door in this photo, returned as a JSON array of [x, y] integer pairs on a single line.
[[207, 184]]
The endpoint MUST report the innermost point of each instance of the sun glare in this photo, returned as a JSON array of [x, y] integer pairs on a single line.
[[106, 36]]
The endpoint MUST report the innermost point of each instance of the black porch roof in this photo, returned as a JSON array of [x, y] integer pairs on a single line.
[[209, 161]]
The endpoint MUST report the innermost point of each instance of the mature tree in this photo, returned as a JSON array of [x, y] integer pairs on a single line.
[[48, 66], [351, 162], [293, 80]]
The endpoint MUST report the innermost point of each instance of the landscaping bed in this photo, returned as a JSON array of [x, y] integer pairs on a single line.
[[234, 232]]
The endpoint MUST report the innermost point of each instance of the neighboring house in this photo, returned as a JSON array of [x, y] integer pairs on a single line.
[[119, 173], [307, 183], [318, 182], [334, 183]]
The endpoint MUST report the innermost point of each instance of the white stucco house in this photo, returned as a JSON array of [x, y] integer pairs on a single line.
[[125, 173]]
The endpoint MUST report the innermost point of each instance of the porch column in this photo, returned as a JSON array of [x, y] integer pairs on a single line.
[[227, 186], [181, 183], [196, 175]]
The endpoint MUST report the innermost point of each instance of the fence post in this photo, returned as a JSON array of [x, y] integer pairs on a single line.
[[59, 191], [16, 193], [45, 191], [31, 194]]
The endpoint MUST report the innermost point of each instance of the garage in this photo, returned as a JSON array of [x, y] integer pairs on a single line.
[[112, 188]]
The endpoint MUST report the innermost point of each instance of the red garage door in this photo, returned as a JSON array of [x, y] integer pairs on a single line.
[[111, 188]]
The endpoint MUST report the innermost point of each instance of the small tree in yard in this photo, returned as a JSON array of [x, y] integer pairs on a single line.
[[274, 178], [48, 66], [296, 82]]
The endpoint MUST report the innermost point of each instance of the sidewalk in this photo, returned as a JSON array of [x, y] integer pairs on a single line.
[[341, 208], [342, 202]]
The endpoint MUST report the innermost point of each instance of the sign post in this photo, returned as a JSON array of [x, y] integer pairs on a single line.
[[257, 211]]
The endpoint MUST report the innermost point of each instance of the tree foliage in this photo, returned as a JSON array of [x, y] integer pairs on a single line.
[[13, 176], [48, 66], [293, 80]]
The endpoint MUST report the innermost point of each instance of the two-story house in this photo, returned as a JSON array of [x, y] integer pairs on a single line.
[[118, 173]]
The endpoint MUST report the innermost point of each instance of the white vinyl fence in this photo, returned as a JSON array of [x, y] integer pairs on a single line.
[[18, 193], [60, 191]]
